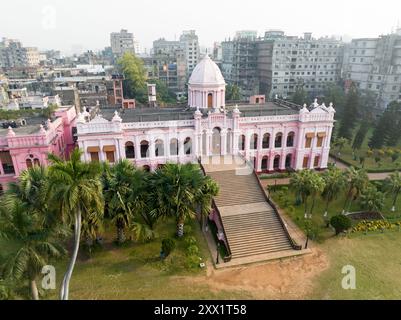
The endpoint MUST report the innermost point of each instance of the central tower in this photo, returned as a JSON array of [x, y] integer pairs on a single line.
[[206, 86]]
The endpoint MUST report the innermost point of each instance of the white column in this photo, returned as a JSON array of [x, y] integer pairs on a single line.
[[208, 138], [223, 142], [101, 153], [137, 148]]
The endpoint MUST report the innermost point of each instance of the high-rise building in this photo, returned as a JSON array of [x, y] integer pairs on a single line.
[[286, 63], [374, 64], [14, 55], [239, 62], [190, 44], [122, 42]]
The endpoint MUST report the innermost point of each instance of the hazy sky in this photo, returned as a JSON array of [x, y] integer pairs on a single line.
[[67, 24]]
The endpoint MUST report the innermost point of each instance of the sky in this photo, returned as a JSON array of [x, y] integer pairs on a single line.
[[77, 25]]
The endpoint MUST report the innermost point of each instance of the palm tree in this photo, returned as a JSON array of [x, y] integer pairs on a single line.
[[204, 197], [335, 181], [357, 181], [316, 186], [33, 244], [119, 189], [371, 199], [393, 183], [300, 183], [340, 144], [177, 188], [76, 188]]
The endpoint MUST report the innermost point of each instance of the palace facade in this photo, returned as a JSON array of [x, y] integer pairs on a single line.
[[274, 135]]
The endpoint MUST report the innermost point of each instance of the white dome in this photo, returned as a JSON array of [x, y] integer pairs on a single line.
[[206, 72]]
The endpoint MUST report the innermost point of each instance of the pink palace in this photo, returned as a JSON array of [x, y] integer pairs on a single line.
[[30, 141], [274, 135]]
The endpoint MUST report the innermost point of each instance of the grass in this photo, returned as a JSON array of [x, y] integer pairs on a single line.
[[386, 163], [376, 259], [286, 199], [135, 271]]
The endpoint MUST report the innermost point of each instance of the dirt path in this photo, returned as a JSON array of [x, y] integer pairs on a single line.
[[287, 279]]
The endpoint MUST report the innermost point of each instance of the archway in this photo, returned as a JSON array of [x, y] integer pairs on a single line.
[[159, 148], [276, 163], [129, 150], [265, 163], [146, 168], [216, 141], [288, 161], [144, 149]]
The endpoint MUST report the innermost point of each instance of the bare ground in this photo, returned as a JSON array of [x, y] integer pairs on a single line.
[[290, 278]]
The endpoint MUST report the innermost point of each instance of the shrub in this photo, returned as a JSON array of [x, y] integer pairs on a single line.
[[189, 241], [187, 230], [193, 250], [168, 245], [340, 223]]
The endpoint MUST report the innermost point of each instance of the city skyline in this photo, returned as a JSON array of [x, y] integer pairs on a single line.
[[41, 23]]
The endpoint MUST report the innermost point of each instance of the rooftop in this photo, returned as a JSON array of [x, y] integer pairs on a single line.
[[147, 114], [32, 126]]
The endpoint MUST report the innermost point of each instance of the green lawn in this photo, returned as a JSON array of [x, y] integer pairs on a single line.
[[136, 272], [386, 163], [287, 199], [377, 262]]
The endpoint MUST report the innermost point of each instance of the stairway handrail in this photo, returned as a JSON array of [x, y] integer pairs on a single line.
[[294, 245], [214, 206]]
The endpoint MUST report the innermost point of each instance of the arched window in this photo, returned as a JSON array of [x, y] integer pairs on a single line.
[[174, 147], [29, 163], [129, 150], [276, 164], [144, 149], [290, 139], [278, 142], [210, 100], [288, 161], [254, 142], [36, 162], [241, 142], [146, 168], [159, 148], [266, 141], [265, 163], [188, 145]]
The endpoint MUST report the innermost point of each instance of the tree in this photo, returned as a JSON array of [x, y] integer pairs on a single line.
[[76, 189], [33, 243], [120, 185], [393, 184], [335, 181], [178, 189], [350, 114], [233, 92], [388, 128], [164, 94], [300, 183], [134, 72], [340, 223], [360, 135], [340, 144], [371, 199], [316, 185], [335, 94], [357, 182], [300, 96], [208, 190]]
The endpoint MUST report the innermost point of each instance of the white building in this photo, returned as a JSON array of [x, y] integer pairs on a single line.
[[122, 42], [274, 136]]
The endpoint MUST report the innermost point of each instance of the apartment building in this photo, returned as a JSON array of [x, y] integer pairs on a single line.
[[122, 42], [287, 62], [190, 44], [374, 64]]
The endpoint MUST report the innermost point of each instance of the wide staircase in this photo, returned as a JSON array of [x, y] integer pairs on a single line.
[[251, 225]]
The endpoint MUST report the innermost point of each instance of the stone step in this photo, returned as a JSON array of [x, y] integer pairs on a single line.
[[265, 238], [240, 248]]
